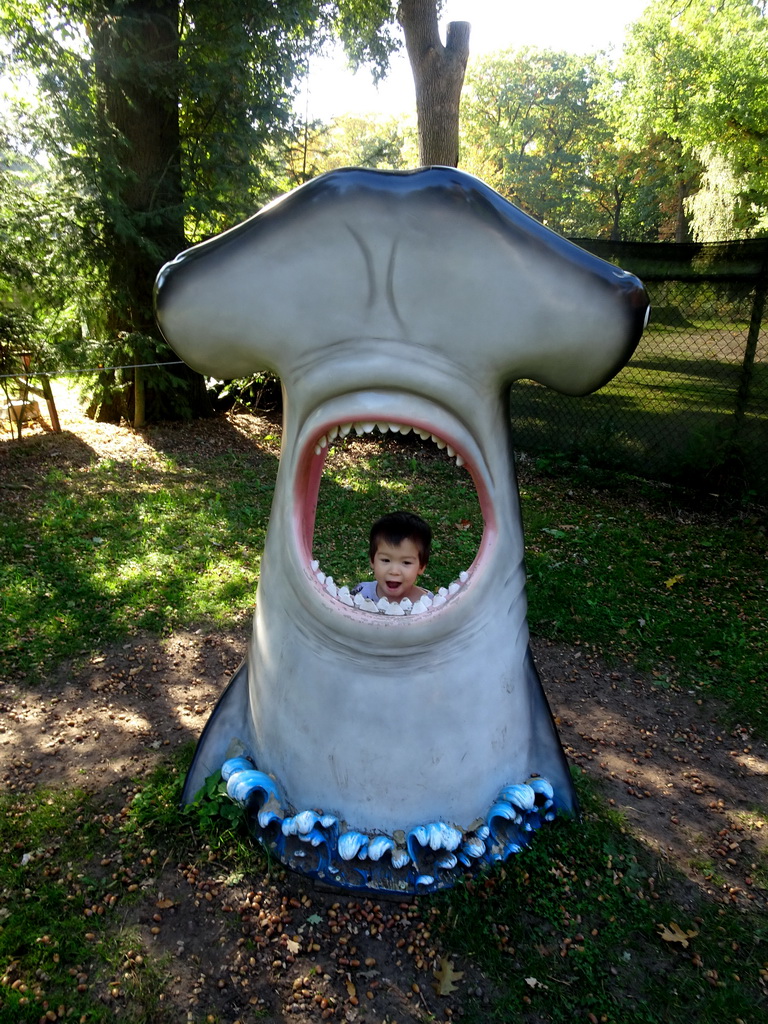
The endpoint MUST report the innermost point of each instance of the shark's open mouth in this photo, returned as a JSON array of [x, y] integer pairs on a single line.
[[449, 436], [384, 606]]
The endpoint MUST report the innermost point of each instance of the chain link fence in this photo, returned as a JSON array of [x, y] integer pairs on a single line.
[[692, 404]]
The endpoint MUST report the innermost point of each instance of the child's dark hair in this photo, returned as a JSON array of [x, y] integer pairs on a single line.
[[395, 527]]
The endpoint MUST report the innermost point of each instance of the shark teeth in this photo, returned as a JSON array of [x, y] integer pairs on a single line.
[[361, 427], [424, 604]]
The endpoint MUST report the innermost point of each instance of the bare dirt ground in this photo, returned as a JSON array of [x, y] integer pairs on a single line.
[[689, 788]]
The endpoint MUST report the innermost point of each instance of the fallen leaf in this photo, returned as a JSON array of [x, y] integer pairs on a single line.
[[292, 946], [673, 580], [445, 978], [463, 524], [674, 933], [535, 983]]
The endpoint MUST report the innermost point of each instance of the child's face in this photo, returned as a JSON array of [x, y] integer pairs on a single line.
[[395, 569]]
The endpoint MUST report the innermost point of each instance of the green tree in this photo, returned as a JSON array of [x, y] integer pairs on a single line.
[[367, 30], [544, 128], [624, 192], [694, 73], [350, 141], [164, 116], [636, 180], [529, 122], [37, 233], [723, 208]]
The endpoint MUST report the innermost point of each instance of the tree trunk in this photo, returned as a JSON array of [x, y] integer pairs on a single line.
[[618, 202], [682, 221], [438, 74], [136, 50]]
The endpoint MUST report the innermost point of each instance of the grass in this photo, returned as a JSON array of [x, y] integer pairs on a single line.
[[588, 934], [579, 927], [646, 576], [71, 869], [91, 555], [670, 413], [96, 554], [583, 925], [56, 949]]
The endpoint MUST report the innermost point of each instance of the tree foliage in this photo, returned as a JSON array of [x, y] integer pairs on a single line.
[[674, 133], [528, 122], [724, 207], [367, 30], [538, 127], [160, 122], [241, 62], [39, 235], [693, 72], [164, 118], [350, 141]]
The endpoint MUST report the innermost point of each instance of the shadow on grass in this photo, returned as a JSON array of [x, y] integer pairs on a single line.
[[93, 551], [678, 432]]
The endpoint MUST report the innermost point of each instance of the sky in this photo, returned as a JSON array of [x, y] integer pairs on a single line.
[[579, 26]]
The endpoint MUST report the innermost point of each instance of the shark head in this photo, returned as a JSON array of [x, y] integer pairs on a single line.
[[396, 301]]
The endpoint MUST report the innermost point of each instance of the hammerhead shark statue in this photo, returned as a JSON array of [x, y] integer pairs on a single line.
[[374, 750]]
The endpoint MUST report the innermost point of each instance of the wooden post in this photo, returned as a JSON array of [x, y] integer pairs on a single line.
[[52, 412], [748, 362], [44, 390], [138, 398]]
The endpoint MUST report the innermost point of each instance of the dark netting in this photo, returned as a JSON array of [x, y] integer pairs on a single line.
[[692, 404]]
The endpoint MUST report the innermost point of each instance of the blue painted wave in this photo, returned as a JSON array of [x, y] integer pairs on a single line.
[[427, 858]]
